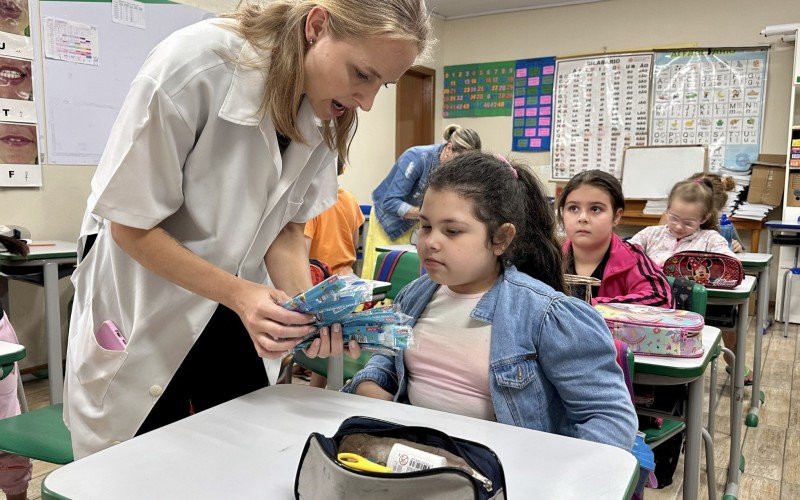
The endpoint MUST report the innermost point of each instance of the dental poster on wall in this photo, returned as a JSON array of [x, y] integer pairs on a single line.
[[713, 97], [601, 107], [19, 154]]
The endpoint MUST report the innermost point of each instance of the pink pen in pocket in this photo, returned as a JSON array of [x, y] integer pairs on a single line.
[[109, 337]]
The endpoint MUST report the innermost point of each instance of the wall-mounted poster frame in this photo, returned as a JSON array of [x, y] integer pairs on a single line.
[[601, 107], [713, 97], [481, 89]]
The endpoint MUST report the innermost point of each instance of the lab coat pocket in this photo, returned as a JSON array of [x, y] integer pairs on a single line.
[[96, 367]]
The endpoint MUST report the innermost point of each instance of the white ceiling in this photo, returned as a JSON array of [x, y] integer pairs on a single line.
[[457, 9]]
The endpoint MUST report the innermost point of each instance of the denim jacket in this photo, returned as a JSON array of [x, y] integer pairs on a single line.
[[403, 188], [552, 362]]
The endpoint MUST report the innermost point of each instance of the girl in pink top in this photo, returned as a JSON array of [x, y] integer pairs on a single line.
[[692, 223], [15, 471], [590, 206]]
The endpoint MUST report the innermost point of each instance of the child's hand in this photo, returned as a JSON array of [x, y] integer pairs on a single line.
[[370, 389], [330, 343], [736, 246]]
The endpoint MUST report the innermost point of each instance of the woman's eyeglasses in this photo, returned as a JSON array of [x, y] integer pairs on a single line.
[[687, 223]]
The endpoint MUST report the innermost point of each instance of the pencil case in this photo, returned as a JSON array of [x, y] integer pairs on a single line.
[[710, 269], [655, 331], [472, 470]]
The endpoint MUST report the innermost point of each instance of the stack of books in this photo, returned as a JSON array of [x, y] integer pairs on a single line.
[[655, 207]]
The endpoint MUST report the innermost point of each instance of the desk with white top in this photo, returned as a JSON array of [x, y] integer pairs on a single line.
[[250, 448], [49, 258]]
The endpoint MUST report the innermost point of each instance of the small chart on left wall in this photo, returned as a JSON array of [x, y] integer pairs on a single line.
[[19, 149]]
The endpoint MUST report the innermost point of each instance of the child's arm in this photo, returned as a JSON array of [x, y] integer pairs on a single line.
[[641, 238], [646, 284], [378, 378], [716, 243], [409, 170], [577, 354]]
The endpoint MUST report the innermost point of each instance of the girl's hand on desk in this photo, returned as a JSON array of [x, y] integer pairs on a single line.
[[736, 246], [273, 329], [370, 389]]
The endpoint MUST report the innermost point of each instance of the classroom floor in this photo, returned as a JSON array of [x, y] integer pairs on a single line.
[[772, 450]]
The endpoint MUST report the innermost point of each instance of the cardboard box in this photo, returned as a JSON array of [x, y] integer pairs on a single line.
[[766, 183], [793, 194]]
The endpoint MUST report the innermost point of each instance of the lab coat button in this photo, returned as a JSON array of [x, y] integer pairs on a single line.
[[156, 391]]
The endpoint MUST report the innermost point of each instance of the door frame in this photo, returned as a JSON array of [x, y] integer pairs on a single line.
[[429, 75]]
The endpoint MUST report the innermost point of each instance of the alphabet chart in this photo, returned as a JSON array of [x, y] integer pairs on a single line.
[[533, 104], [483, 89], [713, 97], [601, 107]]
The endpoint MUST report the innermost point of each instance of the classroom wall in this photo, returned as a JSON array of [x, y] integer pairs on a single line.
[[55, 210], [618, 25]]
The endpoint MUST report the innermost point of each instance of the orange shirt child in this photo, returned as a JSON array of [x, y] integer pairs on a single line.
[[332, 236]]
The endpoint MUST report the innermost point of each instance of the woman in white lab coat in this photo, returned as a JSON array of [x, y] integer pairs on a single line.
[[226, 144]]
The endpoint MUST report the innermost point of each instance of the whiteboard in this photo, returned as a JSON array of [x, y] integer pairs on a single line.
[[649, 172], [82, 101]]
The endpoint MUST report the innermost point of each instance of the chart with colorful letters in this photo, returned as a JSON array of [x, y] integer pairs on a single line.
[[601, 107], [484, 89], [713, 97], [533, 104]]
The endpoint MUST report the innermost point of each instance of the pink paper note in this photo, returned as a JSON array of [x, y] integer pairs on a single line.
[[536, 143], [519, 102], [545, 120], [533, 81], [545, 99], [530, 112], [545, 111], [522, 72], [544, 132], [519, 112], [548, 70], [530, 132]]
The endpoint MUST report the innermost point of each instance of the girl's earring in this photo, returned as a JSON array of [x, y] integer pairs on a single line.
[[311, 41]]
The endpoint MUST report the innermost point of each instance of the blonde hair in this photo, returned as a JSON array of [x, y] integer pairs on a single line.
[[698, 191], [719, 185], [278, 28], [461, 139]]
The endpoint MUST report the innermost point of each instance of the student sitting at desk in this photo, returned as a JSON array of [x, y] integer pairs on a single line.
[[15, 471], [497, 339], [590, 206]]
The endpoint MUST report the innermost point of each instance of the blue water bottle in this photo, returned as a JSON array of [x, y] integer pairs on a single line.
[[726, 229]]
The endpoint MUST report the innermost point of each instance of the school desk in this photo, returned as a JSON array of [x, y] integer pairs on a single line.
[[737, 296], [250, 448], [663, 370], [757, 264], [633, 216], [787, 226], [9, 354], [44, 265], [336, 363]]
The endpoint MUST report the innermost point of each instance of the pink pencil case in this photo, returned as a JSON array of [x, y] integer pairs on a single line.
[[655, 331]]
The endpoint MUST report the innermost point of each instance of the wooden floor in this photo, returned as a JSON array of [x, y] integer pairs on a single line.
[[772, 450]]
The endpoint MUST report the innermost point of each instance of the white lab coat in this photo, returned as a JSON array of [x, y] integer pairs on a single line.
[[190, 153]]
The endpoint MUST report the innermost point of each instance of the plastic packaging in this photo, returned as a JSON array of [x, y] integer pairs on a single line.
[[726, 229]]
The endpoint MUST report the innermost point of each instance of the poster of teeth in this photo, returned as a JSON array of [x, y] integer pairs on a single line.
[[19, 166], [713, 97], [601, 107]]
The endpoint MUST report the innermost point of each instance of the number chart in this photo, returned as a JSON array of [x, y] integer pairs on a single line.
[[484, 89]]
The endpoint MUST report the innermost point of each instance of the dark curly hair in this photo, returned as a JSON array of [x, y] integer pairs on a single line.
[[503, 192]]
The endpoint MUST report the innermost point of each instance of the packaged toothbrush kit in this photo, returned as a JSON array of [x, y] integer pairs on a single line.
[[383, 330]]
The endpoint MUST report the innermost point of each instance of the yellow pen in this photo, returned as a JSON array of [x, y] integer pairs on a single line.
[[360, 463]]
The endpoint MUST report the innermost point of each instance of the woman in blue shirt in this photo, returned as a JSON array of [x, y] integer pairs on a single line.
[[397, 198]]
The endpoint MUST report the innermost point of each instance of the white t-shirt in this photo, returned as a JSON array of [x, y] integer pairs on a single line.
[[449, 370]]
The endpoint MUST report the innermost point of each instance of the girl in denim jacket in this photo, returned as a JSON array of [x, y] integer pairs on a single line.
[[496, 336]]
